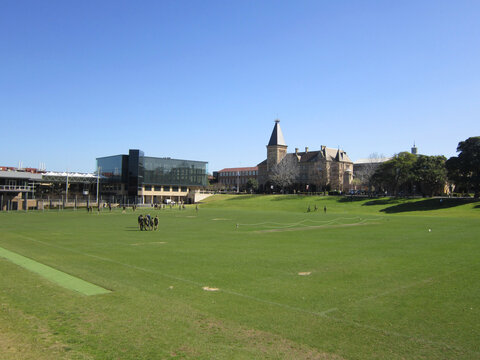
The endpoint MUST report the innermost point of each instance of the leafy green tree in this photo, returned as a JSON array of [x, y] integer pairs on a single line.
[[464, 169], [395, 175], [252, 184], [430, 174]]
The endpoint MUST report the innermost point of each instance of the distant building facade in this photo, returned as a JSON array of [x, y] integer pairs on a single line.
[[17, 188], [320, 170], [363, 169], [29, 188], [237, 178], [141, 179]]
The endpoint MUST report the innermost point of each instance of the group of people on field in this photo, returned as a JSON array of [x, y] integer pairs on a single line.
[[316, 208], [147, 222]]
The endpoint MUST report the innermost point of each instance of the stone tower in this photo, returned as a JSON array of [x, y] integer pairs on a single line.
[[276, 148]]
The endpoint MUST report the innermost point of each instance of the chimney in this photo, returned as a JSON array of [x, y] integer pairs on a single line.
[[306, 149], [296, 150]]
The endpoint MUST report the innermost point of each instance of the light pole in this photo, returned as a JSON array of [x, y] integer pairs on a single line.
[[98, 183], [238, 182], [66, 190]]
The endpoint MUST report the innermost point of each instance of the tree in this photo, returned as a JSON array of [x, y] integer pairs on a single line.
[[252, 184], [430, 174], [363, 176], [285, 172], [464, 169], [395, 175]]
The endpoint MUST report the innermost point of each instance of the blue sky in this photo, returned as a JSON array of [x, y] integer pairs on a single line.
[[204, 80]]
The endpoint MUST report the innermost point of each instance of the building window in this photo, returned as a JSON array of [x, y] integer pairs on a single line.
[[166, 188], [158, 188], [148, 187], [175, 188], [184, 189]]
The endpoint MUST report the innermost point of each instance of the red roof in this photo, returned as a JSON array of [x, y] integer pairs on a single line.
[[253, 168]]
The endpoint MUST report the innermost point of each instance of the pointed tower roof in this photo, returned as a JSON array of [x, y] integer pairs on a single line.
[[277, 135]]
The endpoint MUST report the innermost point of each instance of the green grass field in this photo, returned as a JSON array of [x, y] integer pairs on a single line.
[[368, 279]]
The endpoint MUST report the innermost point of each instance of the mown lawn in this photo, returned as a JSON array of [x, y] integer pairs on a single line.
[[381, 279]]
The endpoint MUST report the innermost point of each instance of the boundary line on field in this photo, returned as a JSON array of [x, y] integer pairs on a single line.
[[323, 314], [413, 284], [309, 224], [330, 226]]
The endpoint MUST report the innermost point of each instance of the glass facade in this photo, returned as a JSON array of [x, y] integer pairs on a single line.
[[165, 171], [136, 170], [113, 168]]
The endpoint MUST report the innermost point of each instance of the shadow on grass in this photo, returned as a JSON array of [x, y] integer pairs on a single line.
[[132, 228], [427, 205], [384, 201]]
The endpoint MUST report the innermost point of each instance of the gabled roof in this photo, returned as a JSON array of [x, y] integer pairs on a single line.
[[277, 135], [328, 153], [307, 156]]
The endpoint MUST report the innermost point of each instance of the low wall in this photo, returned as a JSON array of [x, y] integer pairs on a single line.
[[198, 196]]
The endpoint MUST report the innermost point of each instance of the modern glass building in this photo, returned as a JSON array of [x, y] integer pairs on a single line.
[[143, 179]]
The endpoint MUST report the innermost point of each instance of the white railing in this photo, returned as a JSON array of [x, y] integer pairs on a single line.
[[17, 188]]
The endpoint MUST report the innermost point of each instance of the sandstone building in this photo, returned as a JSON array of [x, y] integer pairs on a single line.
[[324, 169]]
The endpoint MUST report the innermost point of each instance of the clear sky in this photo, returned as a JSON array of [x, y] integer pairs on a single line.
[[204, 80]]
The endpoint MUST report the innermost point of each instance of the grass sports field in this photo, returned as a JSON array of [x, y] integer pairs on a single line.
[[245, 277]]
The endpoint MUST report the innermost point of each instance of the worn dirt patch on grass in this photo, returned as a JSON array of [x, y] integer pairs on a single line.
[[207, 288], [149, 243]]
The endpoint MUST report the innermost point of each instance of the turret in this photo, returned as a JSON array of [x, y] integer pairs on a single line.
[[414, 149], [276, 148]]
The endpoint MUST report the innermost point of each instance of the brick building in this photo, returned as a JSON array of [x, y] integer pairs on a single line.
[[237, 178]]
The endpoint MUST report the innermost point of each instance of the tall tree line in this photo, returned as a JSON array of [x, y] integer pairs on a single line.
[[406, 173], [464, 169], [426, 175]]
